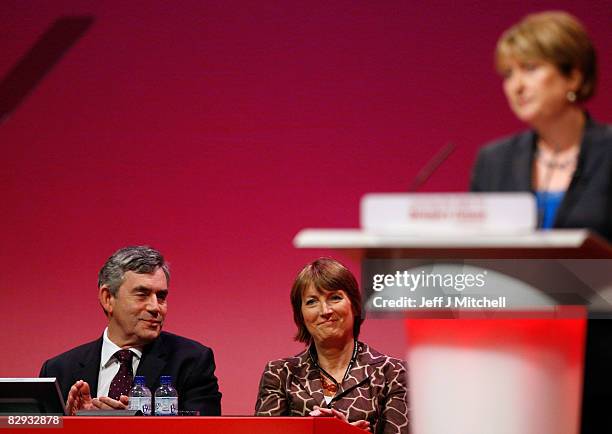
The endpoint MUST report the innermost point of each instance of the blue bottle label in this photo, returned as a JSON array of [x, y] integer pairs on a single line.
[[142, 403], [166, 406]]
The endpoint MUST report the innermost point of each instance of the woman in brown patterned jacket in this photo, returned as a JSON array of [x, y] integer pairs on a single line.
[[336, 375]]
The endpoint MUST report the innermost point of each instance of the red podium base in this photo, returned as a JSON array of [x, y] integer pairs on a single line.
[[483, 376]]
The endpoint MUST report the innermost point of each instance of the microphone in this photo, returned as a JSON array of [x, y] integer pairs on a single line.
[[431, 166]]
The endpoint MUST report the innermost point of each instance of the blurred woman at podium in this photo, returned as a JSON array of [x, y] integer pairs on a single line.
[[336, 375], [548, 65]]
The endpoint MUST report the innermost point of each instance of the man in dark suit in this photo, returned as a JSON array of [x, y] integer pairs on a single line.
[[132, 289]]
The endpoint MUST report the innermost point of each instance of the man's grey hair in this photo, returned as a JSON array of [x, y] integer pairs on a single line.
[[139, 259]]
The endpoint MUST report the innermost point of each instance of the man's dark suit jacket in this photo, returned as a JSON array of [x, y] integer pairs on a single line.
[[191, 365], [506, 165]]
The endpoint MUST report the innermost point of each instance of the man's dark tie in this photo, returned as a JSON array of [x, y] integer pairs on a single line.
[[122, 383]]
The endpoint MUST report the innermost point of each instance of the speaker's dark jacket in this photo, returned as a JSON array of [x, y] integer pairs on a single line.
[[191, 365], [506, 165]]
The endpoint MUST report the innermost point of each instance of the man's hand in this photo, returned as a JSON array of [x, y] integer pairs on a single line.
[[331, 412], [106, 403], [79, 398]]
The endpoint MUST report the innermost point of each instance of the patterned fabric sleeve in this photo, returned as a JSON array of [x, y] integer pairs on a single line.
[[394, 418], [272, 398]]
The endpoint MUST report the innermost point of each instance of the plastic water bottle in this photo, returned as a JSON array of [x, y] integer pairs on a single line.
[[166, 398], [140, 396]]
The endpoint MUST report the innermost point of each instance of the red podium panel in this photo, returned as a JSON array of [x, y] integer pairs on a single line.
[[199, 425], [509, 375]]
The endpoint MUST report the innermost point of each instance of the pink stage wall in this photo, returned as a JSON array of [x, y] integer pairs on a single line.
[[215, 131]]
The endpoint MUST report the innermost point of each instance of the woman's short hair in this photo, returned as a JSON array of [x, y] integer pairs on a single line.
[[556, 37], [325, 274]]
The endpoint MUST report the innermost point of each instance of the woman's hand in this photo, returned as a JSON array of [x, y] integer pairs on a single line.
[[331, 412]]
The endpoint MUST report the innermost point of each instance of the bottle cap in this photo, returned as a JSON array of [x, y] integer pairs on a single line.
[[165, 379], [139, 380]]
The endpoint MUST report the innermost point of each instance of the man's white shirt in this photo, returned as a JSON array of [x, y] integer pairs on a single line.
[[109, 365]]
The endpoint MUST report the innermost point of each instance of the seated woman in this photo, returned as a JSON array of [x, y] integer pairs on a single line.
[[336, 375], [548, 66]]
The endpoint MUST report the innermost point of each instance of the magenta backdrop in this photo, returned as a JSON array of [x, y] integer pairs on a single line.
[[214, 131]]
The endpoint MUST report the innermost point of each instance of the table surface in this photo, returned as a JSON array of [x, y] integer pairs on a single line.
[[188, 425]]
